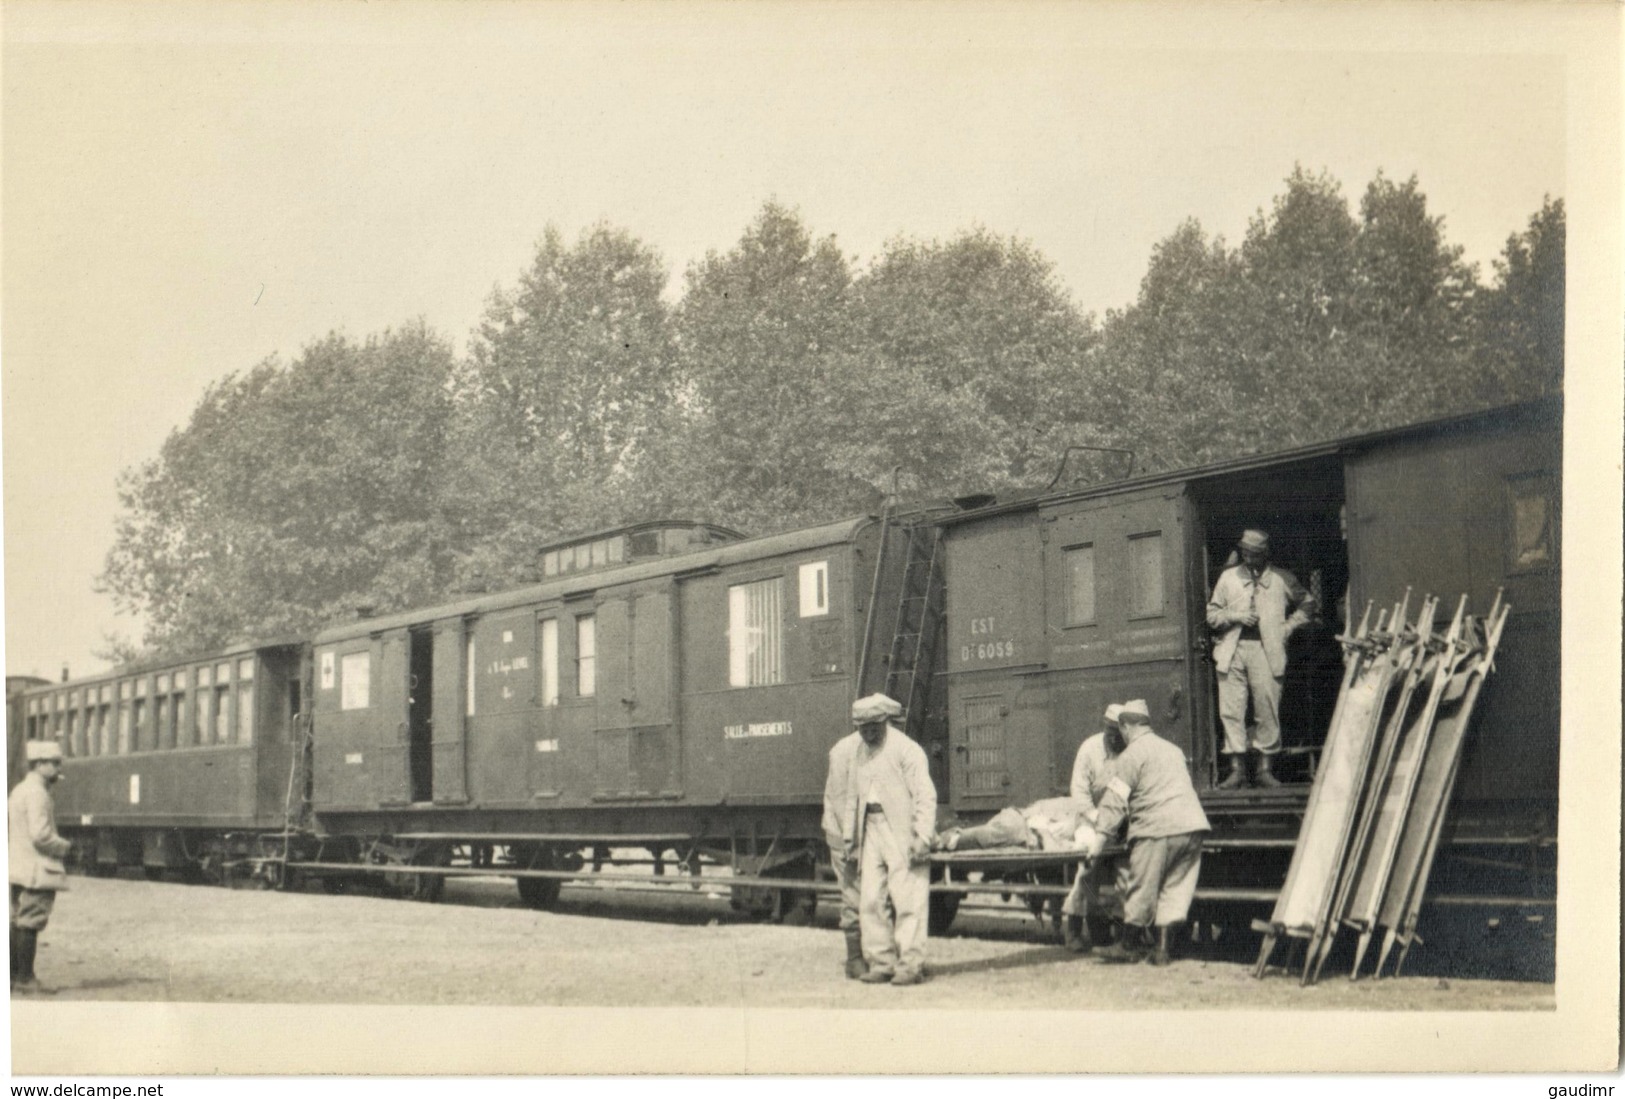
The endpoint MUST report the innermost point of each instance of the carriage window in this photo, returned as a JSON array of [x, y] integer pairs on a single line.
[[550, 563], [245, 701], [1080, 585], [550, 662], [105, 723], [205, 717], [755, 634], [222, 692], [138, 718], [1145, 575], [126, 719], [815, 589], [586, 656], [468, 668], [1531, 522], [161, 734], [180, 734], [70, 741], [355, 681]]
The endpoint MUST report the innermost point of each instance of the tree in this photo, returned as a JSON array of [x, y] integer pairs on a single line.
[[1320, 324], [568, 374], [1520, 317], [765, 334], [293, 494], [982, 360], [1178, 379]]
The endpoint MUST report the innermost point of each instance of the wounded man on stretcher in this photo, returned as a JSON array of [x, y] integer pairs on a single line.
[[1051, 824]]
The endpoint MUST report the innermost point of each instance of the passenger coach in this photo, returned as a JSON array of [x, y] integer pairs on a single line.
[[176, 766]]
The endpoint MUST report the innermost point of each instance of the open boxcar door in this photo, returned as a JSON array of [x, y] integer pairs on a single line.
[[391, 773]]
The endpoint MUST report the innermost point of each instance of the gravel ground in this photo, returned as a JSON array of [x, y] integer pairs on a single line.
[[123, 939]]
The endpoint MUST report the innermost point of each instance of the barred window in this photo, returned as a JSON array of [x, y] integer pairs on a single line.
[[756, 633]]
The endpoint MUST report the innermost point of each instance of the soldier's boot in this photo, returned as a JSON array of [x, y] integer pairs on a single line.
[[856, 967], [1159, 953], [1237, 778], [1076, 933], [1132, 947], [25, 981], [16, 952], [1262, 775]]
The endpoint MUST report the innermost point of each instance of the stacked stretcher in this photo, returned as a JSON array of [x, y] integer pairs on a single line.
[[1377, 807]]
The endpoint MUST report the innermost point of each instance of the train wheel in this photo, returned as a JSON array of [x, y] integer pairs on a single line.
[[415, 886], [539, 892]]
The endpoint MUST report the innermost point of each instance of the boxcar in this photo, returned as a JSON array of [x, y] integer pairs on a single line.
[[175, 766], [1060, 603]]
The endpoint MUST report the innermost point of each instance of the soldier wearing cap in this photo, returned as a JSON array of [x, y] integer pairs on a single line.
[[1092, 769], [842, 841], [1255, 608], [890, 815], [1152, 790], [35, 854]]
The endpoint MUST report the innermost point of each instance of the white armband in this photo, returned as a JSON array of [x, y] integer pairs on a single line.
[[1118, 787]]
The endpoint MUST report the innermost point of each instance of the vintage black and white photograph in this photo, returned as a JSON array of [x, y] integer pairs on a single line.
[[718, 510]]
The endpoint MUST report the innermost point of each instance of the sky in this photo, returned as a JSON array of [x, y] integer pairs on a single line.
[[190, 189]]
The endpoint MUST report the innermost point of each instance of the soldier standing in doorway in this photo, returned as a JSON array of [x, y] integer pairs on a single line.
[[1255, 608]]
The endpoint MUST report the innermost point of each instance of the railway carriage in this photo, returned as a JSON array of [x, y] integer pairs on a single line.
[[680, 700], [180, 766], [1060, 603]]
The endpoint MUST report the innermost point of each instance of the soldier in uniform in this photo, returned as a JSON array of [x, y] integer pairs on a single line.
[[1152, 789], [891, 812], [36, 852], [1255, 608], [842, 840], [1092, 769]]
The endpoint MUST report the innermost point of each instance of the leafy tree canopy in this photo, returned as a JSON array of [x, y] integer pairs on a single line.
[[788, 383], [295, 492]]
